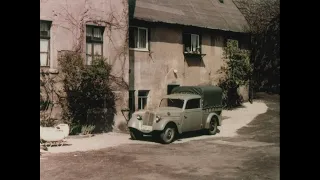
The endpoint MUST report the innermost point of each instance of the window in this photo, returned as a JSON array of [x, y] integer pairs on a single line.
[[44, 42], [142, 99], [193, 104], [138, 38], [94, 43], [170, 87], [166, 102], [191, 43]]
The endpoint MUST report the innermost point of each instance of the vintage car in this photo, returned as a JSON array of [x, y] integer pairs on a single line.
[[187, 108]]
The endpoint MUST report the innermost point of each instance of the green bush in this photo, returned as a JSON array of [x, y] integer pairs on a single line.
[[48, 122], [87, 87], [87, 129], [75, 129], [237, 73]]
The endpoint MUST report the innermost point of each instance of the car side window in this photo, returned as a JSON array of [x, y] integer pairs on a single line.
[[193, 104]]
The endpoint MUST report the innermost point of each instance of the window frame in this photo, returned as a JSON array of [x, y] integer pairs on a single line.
[[199, 44], [199, 99], [147, 39], [140, 99], [92, 41], [48, 23]]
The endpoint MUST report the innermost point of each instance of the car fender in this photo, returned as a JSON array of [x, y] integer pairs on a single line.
[[159, 126], [209, 118], [134, 123]]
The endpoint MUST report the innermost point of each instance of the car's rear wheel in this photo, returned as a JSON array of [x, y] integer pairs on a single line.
[[135, 135], [213, 126], [168, 135]]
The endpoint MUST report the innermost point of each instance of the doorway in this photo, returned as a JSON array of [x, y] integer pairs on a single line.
[[170, 87]]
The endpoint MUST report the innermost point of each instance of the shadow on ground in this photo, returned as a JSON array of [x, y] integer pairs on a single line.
[[186, 135], [265, 127], [265, 162]]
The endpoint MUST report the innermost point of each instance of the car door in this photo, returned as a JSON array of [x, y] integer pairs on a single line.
[[192, 115]]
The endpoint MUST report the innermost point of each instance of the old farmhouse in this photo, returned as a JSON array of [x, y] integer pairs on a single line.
[[171, 42], [179, 42]]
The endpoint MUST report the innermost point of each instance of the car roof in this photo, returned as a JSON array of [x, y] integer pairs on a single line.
[[183, 96]]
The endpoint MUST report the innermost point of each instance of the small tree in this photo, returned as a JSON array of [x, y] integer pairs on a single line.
[[87, 87], [237, 73]]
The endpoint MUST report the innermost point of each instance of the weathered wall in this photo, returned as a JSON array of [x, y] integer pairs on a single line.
[[154, 70], [69, 18]]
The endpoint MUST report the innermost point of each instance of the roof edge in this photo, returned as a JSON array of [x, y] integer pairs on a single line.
[[167, 22]]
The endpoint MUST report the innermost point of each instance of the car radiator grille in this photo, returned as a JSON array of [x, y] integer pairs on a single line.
[[148, 119]]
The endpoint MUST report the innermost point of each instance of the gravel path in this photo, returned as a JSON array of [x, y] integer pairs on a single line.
[[253, 154], [233, 121]]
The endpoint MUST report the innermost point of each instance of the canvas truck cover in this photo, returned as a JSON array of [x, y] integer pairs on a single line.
[[211, 95]]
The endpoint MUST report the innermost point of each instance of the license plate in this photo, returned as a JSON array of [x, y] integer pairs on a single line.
[[146, 128]]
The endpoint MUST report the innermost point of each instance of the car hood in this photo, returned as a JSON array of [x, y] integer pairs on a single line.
[[168, 111]]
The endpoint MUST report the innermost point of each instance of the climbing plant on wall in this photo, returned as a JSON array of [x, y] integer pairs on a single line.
[[237, 72]]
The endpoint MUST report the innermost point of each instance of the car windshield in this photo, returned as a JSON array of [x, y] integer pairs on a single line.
[[167, 102]]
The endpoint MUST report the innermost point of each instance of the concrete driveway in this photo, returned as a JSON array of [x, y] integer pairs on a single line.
[[252, 153]]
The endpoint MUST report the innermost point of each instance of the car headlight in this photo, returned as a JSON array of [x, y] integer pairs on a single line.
[[139, 117], [158, 118]]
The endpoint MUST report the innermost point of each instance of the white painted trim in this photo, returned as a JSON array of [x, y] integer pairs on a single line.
[[50, 49], [147, 39], [197, 36], [138, 49]]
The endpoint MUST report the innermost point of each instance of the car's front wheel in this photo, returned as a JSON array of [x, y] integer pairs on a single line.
[[168, 135]]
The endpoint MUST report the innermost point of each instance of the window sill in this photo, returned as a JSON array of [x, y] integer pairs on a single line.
[[47, 69], [193, 54], [137, 49]]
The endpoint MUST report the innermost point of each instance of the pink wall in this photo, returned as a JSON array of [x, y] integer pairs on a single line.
[[70, 16]]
